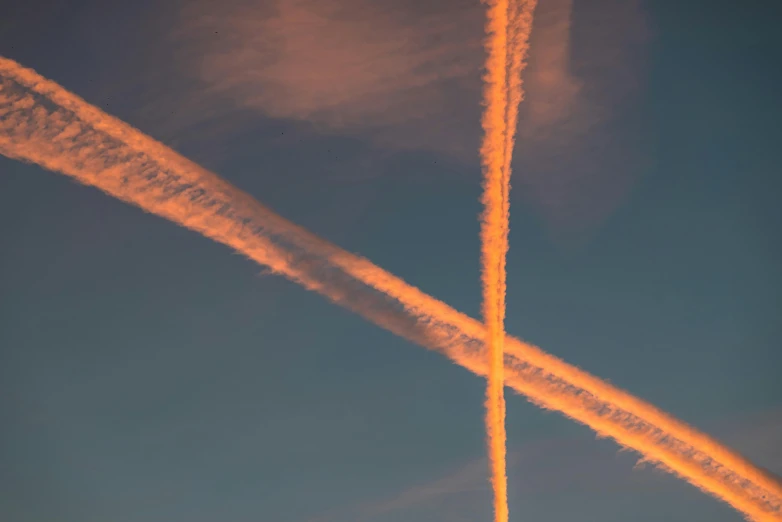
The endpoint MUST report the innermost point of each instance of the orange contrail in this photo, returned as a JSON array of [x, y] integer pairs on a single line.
[[494, 242], [40, 122], [508, 27], [519, 30]]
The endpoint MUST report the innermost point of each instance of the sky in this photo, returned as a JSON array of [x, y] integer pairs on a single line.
[[147, 373]]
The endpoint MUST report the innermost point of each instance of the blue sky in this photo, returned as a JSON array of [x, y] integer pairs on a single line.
[[150, 374]]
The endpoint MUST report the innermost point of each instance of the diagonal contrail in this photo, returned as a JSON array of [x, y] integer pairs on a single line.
[[42, 123]]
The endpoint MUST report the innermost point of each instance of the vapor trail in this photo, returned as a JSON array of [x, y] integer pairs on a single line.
[[508, 29], [520, 16], [42, 123], [494, 240]]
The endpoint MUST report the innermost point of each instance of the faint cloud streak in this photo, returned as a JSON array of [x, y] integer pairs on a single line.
[[580, 144], [344, 66]]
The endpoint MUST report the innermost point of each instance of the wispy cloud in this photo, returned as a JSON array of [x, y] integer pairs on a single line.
[[342, 65], [399, 73], [579, 146]]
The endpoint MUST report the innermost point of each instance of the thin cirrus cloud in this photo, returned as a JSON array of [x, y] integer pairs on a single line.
[[345, 66], [407, 76], [580, 147]]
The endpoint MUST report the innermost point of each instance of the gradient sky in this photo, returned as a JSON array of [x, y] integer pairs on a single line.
[[148, 374]]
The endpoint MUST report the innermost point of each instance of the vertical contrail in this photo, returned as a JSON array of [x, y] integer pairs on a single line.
[[494, 241], [520, 17], [42, 123], [508, 27]]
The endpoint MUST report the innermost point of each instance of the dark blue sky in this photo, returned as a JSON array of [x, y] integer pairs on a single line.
[[149, 374]]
